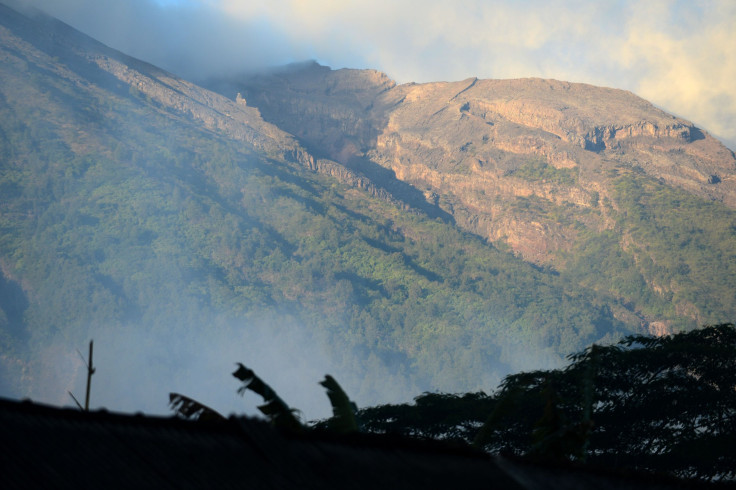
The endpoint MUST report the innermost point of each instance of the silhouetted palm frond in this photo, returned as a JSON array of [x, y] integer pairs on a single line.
[[277, 411], [343, 410]]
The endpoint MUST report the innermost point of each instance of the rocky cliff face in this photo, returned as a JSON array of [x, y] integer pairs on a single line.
[[528, 164], [462, 144], [467, 140]]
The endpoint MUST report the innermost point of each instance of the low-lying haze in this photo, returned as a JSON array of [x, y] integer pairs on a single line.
[[679, 55]]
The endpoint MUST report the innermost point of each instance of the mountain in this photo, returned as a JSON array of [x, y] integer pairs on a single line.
[[592, 182], [402, 237]]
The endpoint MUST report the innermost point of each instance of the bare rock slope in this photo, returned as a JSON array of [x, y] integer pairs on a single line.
[[465, 145]]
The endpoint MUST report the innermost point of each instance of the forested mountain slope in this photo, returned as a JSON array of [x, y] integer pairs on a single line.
[[593, 182], [177, 227]]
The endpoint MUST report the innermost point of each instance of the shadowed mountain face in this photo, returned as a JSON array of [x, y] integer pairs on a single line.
[[405, 238]]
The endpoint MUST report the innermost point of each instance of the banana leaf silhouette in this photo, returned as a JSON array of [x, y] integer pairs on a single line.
[[192, 409], [343, 409], [274, 408]]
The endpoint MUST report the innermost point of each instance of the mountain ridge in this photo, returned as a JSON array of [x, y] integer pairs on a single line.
[[589, 130]]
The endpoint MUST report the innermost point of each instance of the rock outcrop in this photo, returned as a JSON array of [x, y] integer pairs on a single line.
[[461, 144]]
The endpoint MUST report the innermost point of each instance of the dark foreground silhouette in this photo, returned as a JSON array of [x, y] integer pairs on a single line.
[[666, 405]]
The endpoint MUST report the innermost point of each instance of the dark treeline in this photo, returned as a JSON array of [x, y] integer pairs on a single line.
[[665, 404], [660, 404]]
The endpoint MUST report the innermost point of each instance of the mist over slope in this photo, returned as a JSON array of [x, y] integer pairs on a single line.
[[184, 233]]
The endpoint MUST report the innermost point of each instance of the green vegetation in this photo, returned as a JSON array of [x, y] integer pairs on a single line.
[[538, 170], [148, 222], [671, 256], [683, 244]]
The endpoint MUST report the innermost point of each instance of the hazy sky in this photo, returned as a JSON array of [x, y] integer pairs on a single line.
[[680, 55]]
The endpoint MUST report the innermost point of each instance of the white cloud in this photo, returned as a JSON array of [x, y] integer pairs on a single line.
[[690, 71], [679, 54]]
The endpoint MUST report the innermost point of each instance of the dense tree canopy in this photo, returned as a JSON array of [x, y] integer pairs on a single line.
[[666, 404]]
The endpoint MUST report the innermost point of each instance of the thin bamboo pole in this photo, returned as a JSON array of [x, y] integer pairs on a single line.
[[90, 372]]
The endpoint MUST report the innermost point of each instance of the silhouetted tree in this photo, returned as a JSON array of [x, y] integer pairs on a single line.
[[433, 415], [665, 404], [660, 403]]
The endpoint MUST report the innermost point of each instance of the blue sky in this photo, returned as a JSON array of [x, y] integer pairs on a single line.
[[680, 55]]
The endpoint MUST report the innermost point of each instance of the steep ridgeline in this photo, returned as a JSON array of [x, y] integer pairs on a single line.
[[180, 229], [595, 183]]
